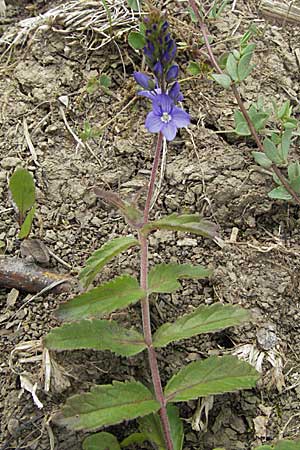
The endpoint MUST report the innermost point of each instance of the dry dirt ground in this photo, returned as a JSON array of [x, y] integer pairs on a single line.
[[207, 171]]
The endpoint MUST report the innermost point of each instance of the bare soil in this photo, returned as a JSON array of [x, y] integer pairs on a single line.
[[208, 171]]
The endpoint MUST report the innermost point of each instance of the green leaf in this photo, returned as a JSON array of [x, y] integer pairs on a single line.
[[288, 445], [101, 441], [150, 426], [244, 67], [116, 294], [21, 185], [97, 335], [241, 127], [231, 67], [102, 256], [285, 145], [204, 319], [290, 124], [222, 79], [134, 438], [264, 447], [284, 110], [105, 81], [194, 68], [164, 278], [262, 160], [136, 40], [271, 151], [280, 193], [259, 119], [190, 223], [214, 375], [107, 405], [294, 171], [134, 4], [27, 224]]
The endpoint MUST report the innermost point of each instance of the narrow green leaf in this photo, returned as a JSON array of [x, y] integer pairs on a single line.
[[150, 426], [116, 294], [134, 438], [102, 256], [262, 160], [214, 375], [27, 224], [231, 67], [21, 185], [204, 319], [190, 223], [222, 79], [101, 441], [97, 335], [164, 278], [194, 68], [107, 405], [280, 193], [136, 40]]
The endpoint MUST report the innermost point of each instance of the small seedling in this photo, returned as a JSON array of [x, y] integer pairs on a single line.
[[22, 188]]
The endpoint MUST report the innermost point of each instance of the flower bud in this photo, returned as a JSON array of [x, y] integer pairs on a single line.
[[172, 74]]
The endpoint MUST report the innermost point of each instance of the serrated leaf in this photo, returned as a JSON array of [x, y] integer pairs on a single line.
[[22, 188], [189, 223], [204, 319], [280, 193], [214, 375], [107, 405], [136, 40], [163, 278], [102, 256], [27, 224], [262, 159], [134, 438], [231, 67], [101, 441], [97, 335], [150, 426], [116, 294], [222, 79], [194, 68]]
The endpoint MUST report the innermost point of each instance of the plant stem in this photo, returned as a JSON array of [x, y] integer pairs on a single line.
[[143, 239], [236, 93]]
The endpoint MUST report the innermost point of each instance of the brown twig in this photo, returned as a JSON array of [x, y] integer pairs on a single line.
[[236, 93], [25, 276]]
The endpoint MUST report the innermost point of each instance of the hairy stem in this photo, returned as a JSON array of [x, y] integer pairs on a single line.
[[236, 93], [143, 239]]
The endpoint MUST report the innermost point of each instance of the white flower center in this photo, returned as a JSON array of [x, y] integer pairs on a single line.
[[166, 117]]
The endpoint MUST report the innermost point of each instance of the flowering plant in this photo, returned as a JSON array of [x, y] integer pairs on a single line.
[[158, 419]]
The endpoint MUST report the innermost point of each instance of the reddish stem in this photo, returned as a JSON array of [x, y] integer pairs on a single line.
[[143, 239], [236, 93]]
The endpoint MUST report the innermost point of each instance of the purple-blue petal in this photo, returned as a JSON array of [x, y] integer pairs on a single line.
[[164, 102], [143, 80], [169, 130], [175, 93], [172, 73], [180, 117], [153, 122], [158, 69]]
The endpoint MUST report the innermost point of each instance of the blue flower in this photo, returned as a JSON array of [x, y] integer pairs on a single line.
[[144, 80], [166, 117], [172, 73], [175, 93]]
